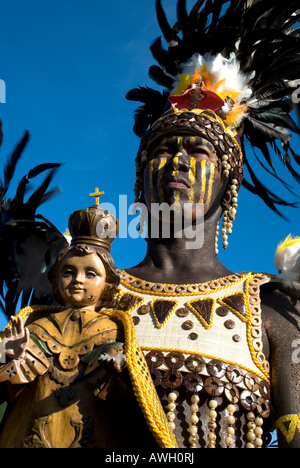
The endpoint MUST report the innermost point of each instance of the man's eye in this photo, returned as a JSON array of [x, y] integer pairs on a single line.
[[160, 152], [200, 151]]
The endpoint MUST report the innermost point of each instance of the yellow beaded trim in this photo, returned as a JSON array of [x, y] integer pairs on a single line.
[[289, 433], [251, 306], [207, 286], [142, 383]]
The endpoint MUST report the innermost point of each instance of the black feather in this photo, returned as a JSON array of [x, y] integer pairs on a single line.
[[37, 170], [167, 30], [160, 77], [182, 14], [11, 164], [155, 103], [29, 244]]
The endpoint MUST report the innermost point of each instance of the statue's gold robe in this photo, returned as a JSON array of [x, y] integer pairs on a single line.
[[53, 395]]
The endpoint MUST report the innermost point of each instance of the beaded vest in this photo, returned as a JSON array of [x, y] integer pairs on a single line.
[[200, 340]]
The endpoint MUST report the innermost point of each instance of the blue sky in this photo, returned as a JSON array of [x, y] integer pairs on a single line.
[[67, 66]]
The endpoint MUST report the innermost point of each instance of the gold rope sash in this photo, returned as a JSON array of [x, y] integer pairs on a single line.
[[142, 383]]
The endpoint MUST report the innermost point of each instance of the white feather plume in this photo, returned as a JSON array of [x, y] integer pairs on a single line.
[[221, 68]]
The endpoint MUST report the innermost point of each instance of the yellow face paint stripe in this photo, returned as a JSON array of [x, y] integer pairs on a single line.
[[176, 164], [203, 186], [192, 179], [177, 199], [160, 174], [210, 184], [180, 142], [176, 171]]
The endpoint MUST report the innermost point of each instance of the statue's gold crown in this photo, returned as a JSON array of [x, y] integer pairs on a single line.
[[93, 226]]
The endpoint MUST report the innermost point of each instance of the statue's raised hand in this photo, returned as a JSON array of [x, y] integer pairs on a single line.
[[16, 339], [113, 363]]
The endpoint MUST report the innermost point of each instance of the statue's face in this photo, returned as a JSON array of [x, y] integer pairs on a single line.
[[182, 169], [81, 280]]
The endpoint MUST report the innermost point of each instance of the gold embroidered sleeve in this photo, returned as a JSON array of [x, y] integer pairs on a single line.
[[25, 369]]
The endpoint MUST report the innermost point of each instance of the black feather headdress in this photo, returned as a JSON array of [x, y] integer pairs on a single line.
[[256, 45]]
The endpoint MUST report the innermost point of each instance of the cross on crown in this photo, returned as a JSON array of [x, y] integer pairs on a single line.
[[97, 195]]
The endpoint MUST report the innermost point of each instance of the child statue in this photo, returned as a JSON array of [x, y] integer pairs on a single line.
[[65, 364]]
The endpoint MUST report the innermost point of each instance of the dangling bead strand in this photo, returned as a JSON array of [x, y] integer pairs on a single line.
[[216, 240], [229, 215], [224, 230], [226, 173], [251, 436], [193, 429], [229, 441], [226, 166], [259, 432], [234, 197], [212, 425], [172, 397]]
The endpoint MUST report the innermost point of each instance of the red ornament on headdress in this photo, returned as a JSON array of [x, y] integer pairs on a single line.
[[207, 100]]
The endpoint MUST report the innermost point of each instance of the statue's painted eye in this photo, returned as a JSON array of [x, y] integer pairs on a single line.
[[68, 272], [91, 274]]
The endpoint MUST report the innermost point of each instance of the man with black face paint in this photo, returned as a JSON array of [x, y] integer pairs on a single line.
[[187, 170], [183, 173], [207, 348], [202, 329]]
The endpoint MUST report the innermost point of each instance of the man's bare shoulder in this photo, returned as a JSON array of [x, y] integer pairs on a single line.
[[280, 308]]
